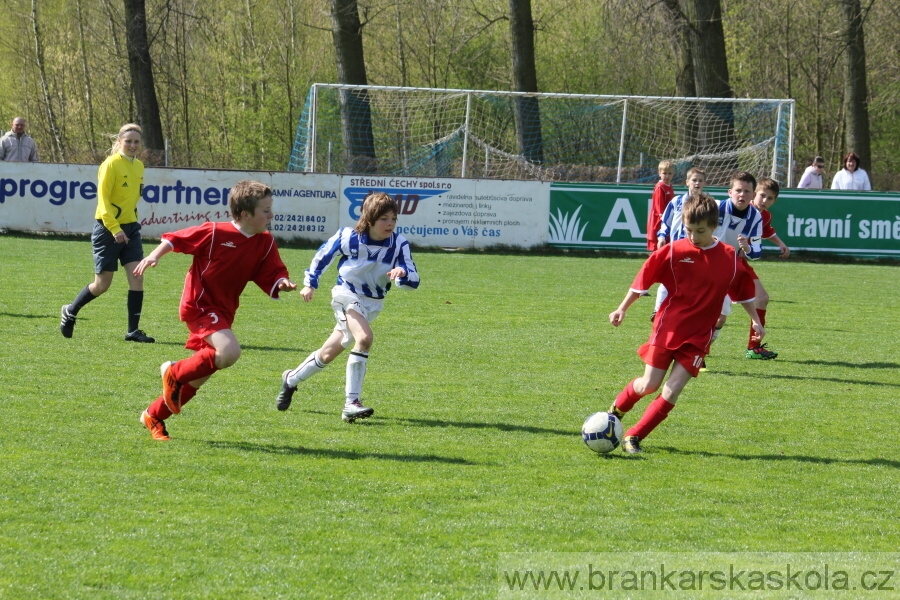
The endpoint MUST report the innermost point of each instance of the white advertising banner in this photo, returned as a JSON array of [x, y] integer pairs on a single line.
[[455, 213], [469, 213], [63, 198]]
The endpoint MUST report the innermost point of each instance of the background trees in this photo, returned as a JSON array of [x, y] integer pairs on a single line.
[[231, 77]]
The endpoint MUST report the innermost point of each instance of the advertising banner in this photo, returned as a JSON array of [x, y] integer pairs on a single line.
[[63, 198], [614, 217], [468, 213]]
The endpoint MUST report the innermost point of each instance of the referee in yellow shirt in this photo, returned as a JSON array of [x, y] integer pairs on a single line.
[[116, 237]]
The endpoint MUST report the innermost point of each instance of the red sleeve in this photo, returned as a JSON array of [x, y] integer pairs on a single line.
[[653, 270], [767, 229], [191, 239]]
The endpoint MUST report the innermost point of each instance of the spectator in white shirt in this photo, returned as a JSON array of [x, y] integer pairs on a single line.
[[851, 177]]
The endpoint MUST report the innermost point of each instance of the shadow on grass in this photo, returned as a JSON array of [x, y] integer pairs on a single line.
[[875, 462], [21, 316], [337, 454], [808, 378], [833, 363], [465, 425]]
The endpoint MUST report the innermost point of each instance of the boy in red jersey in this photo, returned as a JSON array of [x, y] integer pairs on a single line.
[[227, 256], [767, 191], [698, 271], [662, 194]]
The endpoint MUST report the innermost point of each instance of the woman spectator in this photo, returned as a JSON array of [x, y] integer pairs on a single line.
[[851, 177], [813, 175]]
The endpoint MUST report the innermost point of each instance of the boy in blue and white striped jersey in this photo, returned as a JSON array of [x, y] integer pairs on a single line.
[[671, 227], [372, 258]]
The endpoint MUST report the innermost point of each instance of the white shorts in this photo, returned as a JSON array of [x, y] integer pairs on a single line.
[[343, 300]]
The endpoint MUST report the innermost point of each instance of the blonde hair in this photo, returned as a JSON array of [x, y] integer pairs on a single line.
[[117, 137], [668, 165]]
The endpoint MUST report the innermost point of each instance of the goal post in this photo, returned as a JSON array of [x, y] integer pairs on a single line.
[[437, 132]]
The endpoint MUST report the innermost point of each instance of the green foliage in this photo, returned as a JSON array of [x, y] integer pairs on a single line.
[[480, 381]]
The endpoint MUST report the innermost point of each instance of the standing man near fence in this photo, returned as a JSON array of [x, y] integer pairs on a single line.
[[18, 146]]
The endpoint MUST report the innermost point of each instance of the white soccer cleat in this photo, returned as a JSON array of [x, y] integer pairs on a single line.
[[355, 410]]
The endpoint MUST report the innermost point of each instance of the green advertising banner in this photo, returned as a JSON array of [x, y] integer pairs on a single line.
[[614, 217]]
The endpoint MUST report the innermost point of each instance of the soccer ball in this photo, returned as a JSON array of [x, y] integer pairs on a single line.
[[602, 432]]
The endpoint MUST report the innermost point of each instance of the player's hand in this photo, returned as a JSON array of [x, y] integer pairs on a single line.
[[144, 264], [759, 329], [286, 285], [660, 242], [396, 273], [121, 238], [307, 293], [785, 252], [744, 243], [616, 317]]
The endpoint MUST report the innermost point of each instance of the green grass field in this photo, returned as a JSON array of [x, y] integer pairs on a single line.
[[480, 381]]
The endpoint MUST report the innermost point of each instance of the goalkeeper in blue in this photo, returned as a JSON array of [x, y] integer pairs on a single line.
[[371, 258]]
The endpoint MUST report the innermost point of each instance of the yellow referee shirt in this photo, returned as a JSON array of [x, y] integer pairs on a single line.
[[120, 183]]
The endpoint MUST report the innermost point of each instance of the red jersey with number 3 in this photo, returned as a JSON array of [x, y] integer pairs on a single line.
[[697, 280], [225, 260]]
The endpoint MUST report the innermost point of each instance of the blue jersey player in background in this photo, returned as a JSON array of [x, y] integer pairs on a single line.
[[372, 257]]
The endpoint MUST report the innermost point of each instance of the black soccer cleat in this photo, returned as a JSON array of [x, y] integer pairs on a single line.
[[138, 336], [67, 323], [283, 401]]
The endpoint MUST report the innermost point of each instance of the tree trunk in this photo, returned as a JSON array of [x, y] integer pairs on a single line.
[[57, 149], [524, 75], [685, 87], [715, 125], [856, 104], [356, 114], [88, 95], [142, 79]]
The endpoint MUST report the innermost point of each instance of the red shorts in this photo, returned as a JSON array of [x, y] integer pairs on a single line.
[[688, 356], [207, 324], [753, 274]]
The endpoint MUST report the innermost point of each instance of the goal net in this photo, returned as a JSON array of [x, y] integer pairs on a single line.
[[554, 137]]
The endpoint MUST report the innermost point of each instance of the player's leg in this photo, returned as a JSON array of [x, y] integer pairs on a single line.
[[315, 362], [636, 389], [135, 305], [106, 260], [661, 294], [686, 366], [755, 349], [357, 363]]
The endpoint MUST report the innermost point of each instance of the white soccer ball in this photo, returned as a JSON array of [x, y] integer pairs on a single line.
[[602, 432]]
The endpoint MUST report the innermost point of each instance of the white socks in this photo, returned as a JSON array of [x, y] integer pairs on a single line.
[[356, 372], [307, 369]]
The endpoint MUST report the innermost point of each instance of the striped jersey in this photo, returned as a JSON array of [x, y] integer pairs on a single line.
[[364, 263], [671, 225], [748, 223]]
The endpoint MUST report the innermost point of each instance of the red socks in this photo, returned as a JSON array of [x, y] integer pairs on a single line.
[[158, 409], [653, 416], [627, 398], [201, 364], [754, 339]]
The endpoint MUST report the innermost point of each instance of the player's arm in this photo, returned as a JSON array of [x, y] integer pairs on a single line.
[[152, 259], [785, 251], [750, 307], [617, 316]]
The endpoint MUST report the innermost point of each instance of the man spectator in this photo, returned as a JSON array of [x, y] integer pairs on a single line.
[[18, 146]]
